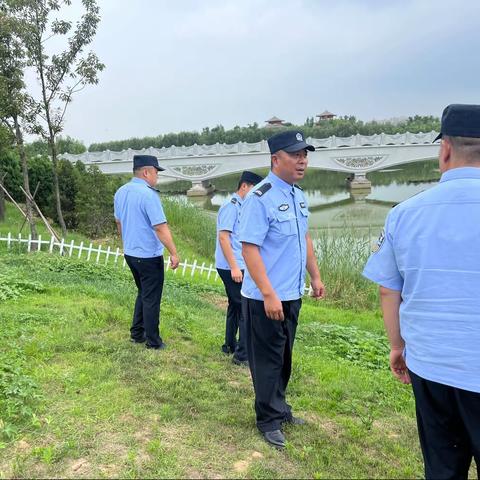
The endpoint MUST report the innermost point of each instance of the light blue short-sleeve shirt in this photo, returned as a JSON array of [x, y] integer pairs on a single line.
[[228, 219], [276, 220], [430, 252], [138, 208]]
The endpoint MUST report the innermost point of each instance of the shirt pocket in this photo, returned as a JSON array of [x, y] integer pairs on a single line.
[[285, 224], [304, 214]]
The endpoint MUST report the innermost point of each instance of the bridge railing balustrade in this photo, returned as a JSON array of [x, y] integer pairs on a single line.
[[255, 147]]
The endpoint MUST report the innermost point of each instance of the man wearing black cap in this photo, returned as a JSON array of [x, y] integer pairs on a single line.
[[428, 267], [143, 227], [230, 266], [278, 251]]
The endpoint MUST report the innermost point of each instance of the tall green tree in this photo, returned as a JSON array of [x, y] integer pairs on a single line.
[[5, 147], [60, 75], [94, 203], [14, 110]]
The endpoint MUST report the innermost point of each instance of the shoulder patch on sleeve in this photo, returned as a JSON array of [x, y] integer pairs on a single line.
[[379, 242], [263, 189], [297, 186], [234, 200]]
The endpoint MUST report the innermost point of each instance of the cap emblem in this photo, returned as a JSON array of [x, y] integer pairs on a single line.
[[299, 137]]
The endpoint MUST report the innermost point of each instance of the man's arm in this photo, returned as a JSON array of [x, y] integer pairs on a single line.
[[318, 288], [226, 246], [390, 301], [165, 236], [256, 268], [119, 227]]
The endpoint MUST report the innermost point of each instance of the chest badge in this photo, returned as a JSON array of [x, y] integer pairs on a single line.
[[302, 205], [284, 207]]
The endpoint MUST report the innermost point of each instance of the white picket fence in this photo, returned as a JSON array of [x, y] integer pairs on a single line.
[[100, 255], [103, 257]]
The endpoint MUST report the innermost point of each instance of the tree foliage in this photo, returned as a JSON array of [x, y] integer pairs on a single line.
[[14, 101], [60, 75]]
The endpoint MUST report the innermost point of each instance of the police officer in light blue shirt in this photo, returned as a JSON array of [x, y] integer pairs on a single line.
[[143, 227], [230, 266], [427, 264], [278, 251]]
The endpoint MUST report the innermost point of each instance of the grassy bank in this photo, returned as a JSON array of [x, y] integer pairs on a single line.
[[78, 400]]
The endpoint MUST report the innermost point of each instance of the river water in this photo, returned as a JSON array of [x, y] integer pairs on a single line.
[[331, 204]]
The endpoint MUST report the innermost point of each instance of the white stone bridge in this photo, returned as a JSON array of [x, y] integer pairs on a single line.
[[356, 155]]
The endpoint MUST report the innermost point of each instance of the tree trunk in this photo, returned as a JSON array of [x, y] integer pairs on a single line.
[[2, 199], [56, 188], [26, 182]]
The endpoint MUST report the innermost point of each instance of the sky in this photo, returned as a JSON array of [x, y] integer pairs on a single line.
[[185, 64]]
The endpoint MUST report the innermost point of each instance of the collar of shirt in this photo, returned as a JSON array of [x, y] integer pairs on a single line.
[[461, 172], [238, 197], [139, 180], [282, 184]]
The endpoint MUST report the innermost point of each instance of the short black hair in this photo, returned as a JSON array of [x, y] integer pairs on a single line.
[[466, 147], [241, 182]]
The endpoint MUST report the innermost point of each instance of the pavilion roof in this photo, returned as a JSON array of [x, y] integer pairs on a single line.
[[274, 119], [326, 113]]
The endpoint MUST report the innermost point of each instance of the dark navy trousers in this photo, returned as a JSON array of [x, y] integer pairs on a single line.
[[448, 421], [269, 346], [234, 320], [148, 274]]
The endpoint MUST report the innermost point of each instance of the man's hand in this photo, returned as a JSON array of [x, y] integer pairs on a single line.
[[273, 307], [318, 288], [237, 275], [398, 365], [174, 261]]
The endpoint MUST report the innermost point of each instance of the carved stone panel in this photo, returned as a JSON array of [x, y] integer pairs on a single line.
[[195, 170], [360, 162]]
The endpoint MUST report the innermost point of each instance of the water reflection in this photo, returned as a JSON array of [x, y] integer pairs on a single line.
[[331, 203]]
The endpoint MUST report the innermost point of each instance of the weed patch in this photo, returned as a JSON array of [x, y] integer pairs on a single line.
[[18, 393], [365, 349], [12, 288]]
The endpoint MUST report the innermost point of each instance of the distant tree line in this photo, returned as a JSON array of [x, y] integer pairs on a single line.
[[340, 127]]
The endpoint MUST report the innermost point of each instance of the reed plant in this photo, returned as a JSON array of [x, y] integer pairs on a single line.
[[342, 256], [193, 224]]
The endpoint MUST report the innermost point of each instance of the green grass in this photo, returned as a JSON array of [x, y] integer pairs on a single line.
[[78, 400], [85, 402]]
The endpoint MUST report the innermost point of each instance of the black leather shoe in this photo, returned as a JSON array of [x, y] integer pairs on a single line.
[[227, 350], [241, 363], [162, 346], [295, 421], [275, 438], [138, 340]]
